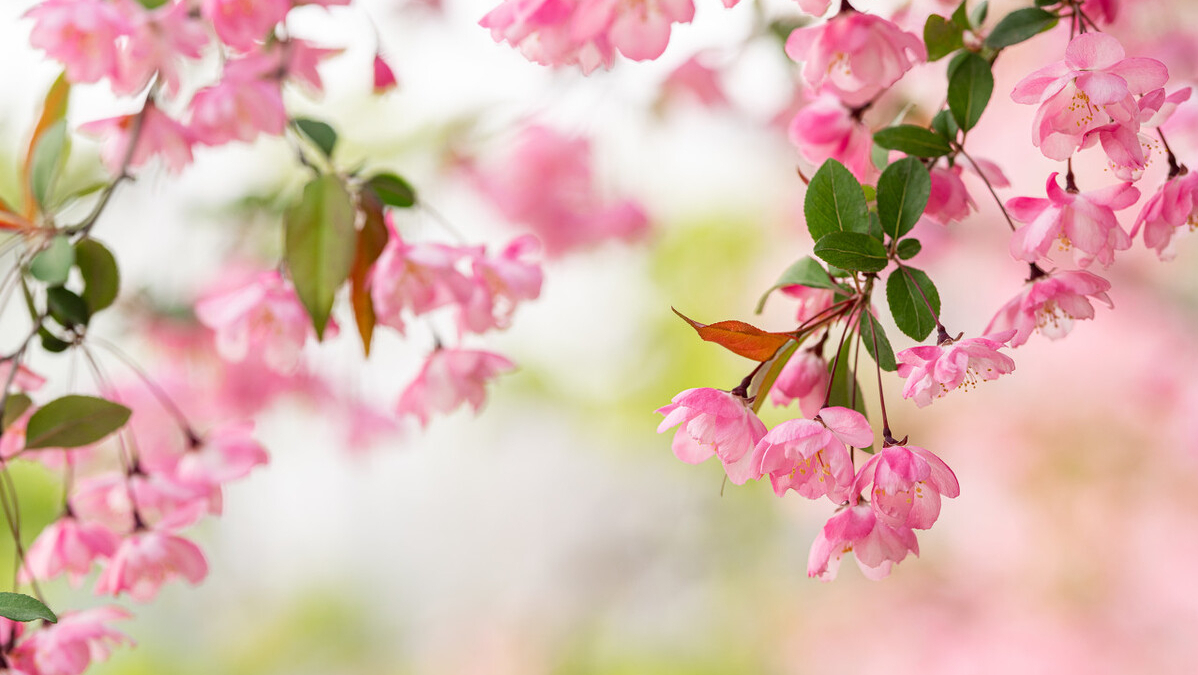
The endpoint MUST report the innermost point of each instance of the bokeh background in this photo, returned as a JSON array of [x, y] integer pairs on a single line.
[[556, 533]]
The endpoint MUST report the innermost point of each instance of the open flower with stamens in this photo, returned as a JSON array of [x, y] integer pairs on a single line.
[[1083, 221], [810, 457], [1050, 303], [908, 482], [934, 370], [859, 531], [714, 422]]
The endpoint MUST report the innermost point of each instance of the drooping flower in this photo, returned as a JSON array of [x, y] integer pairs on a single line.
[[1169, 209], [1050, 303], [418, 278], [934, 370], [242, 24], [714, 422], [264, 316], [83, 35], [855, 56], [158, 40], [908, 482], [825, 129], [70, 646], [146, 560], [804, 377], [500, 284], [812, 301], [639, 30], [949, 200], [157, 135], [1083, 221], [227, 453], [810, 456], [449, 378], [858, 530], [247, 101], [68, 546]]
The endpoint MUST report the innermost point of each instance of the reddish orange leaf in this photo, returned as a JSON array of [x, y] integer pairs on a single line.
[[740, 338], [11, 221], [371, 240], [53, 110]]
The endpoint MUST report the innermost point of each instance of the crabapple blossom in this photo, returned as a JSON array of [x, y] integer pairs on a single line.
[[1166, 211], [500, 284], [70, 646], [158, 39], [68, 546], [84, 35], [225, 454], [714, 422], [949, 200], [154, 132], [858, 530], [161, 500], [639, 30], [855, 56], [696, 80], [1085, 222], [145, 560], [810, 456], [247, 101], [908, 482], [417, 278], [449, 378], [1050, 303], [934, 370], [812, 301], [241, 24], [825, 129], [804, 377]]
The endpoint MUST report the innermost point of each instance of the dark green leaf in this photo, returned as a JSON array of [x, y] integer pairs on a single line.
[[913, 140], [960, 17], [67, 308], [909, 303], [978, 16], [805, 272], [852, 251], [74, 421], [969, 90], [47, 161], [903, 192], [875, 227], [883, 353], [845, 390], [835, 202], [14, 407], [942, 37], [319, 246], [1019, 26], [20, 607], [909, 248], [53, 263], [101, 276], [323, 135], [392, 190], [944, 124]]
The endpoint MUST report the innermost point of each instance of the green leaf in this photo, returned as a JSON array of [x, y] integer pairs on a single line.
[[944, 124], [845, 383], [66, 308], [319, 246], [909, 248], [14, 407], [1019, 26], [852, 251], [48, 158], [871, 330], [20, 607], [903, 192], [835, 202], [942, 37], [960, 17], [320, 133], [51, 342], [907, 302], [101, 276], [913, 140], [805, 272], [74, 421], [969, 90], [53, 263], [392, 190], [978, 16], [153, 4]]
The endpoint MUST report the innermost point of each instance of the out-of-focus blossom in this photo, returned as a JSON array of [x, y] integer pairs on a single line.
[[242, 24], [157, 135], [810, 456], [449, 378], [146, 560], [384, 77], [70, 646], [1166, 212], [225, 454], [855, 56], [300, 61], [825, 129], [1083, 221], [858, 530], [934, 370], [500, 284], [714, 422], [1101, 10], [247, 101], [83, 35], [416, 278], [697, 81], [1050, 304], [908, 482], [158, 39], [68, 546]]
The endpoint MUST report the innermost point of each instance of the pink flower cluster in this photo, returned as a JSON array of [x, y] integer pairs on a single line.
[[895, 492]]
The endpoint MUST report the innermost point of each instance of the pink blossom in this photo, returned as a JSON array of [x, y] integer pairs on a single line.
[[908, 483], [1050, 304], [246, 102], [805, 377], [82, 34], [241, 24], [545, 182], [1101, 10], [158, 39], [70, 646], [12, 442], [161, 499], [1166, 211], [810, 457], [858, 530], [815, 7], [933, 371], [543, 31], [695, 80], [714, 422], [384, 77], [449, 378], [855, 56], [1093, 87], [263, 316], [812, 301], [1156, 107], [639, 30], [225, 454], [24, 380], [157, 134], [69, 546], [417, 278], [147, 559], [1083, 221], [825, 129], [500, 284], [300, 61]]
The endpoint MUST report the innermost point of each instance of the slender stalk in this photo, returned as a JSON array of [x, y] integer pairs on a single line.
[[997, 200], [839, 348], [163, 398]]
